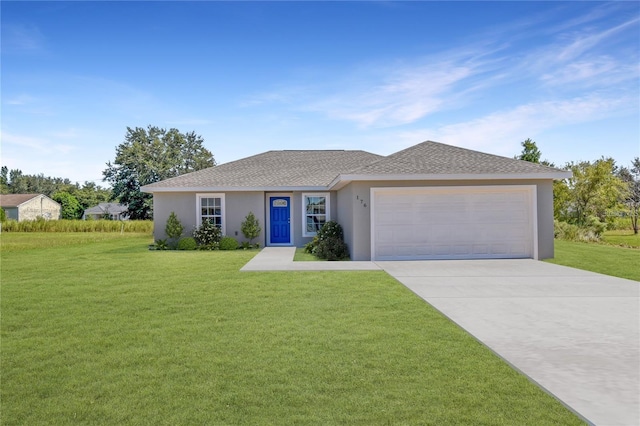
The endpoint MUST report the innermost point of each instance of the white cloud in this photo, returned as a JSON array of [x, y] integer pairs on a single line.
[[400, 96], [501, 131], [589, 39], [35, 145]]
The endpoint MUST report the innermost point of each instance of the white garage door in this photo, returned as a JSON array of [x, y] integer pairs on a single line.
[[471, 222]]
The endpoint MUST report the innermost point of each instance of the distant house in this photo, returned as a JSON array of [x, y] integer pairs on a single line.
[[29, 207], [112, 210]]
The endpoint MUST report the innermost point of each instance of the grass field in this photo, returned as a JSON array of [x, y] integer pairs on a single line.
[[622, 238], [603, 258], [104, 331]]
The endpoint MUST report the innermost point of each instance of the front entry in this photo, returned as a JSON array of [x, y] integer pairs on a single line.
[[280, 218]]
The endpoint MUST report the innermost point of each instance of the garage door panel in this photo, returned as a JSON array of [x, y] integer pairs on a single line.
[[453, 223]]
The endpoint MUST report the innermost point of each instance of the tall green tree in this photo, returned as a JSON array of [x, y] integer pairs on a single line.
[[71, 208], [593, 190], [4, 180], [149, 155], [530, 152], [90, 194], [631, 176]]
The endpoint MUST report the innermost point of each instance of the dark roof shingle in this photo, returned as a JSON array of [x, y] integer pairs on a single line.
[[274, 169], [300, 169], [434, 158], [14, 200]]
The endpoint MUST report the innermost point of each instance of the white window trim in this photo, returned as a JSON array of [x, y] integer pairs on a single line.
[[222, 209], [327, 197]]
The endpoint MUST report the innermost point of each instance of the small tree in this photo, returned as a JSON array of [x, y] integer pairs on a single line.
[[173, 229], [530, 152], [250, 227]]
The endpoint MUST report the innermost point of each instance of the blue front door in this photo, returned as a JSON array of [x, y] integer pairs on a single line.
[[280, 220]]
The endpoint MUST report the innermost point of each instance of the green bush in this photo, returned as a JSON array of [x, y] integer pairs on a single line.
[[228, 243], [570, 232], [250, 227], [187, 243], [207, 236], [310, 247], [161, 245], [173, 229], [3, 215], [332, 248], [328, 243], [331, 229]]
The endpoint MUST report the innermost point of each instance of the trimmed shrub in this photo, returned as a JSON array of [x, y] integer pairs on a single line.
[[161, 245], [228, 243], [328, 243], [187, 243], [310, 247], [331, 229], [207, 236], [3, 215], [173, 229], [250, 227], [332, 248]]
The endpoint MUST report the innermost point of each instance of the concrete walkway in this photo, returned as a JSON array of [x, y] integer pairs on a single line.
[[281, 259], [575, 333]]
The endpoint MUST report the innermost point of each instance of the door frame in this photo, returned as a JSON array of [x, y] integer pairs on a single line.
[[268, 197]]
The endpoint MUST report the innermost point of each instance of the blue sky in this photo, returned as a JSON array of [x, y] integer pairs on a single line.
[[378, 76]]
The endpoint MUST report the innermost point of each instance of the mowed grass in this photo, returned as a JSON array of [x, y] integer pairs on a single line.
[[108, 332], [606, 259], [622, 238]]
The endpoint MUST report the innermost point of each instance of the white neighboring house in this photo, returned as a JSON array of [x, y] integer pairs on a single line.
[[22, 207], [113, 210]]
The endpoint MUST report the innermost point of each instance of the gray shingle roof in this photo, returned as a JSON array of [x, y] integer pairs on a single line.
[[300, 169], [106, 207], [434, 158], [274, 169]]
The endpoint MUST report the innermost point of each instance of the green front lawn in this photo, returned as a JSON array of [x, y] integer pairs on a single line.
[[622, 238], [105, 331], [606, 259]]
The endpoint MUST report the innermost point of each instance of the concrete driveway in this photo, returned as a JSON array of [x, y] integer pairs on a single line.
[[573, 332]]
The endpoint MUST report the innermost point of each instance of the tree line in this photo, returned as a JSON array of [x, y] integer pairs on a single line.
[[73, 197], [599, 193], [146, 156]]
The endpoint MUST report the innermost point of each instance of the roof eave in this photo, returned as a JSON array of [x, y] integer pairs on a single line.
[[152, 190], [343, 180]]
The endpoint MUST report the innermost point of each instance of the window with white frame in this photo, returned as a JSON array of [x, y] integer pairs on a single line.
[[315, 212], [211, 208]]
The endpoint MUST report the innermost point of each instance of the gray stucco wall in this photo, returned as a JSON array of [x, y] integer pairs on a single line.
[[184, 204], [237, 207], [545, 219], [355, 218]]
